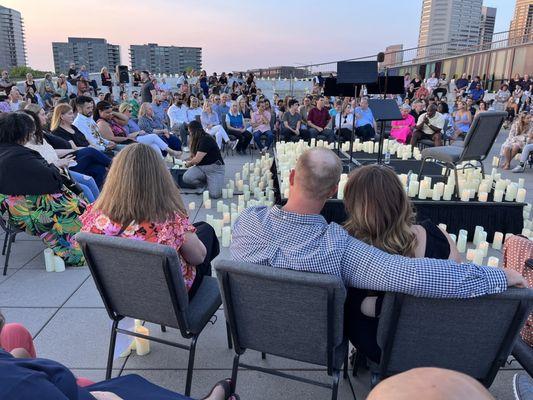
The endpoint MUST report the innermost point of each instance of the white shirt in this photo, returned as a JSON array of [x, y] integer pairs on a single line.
[[45, 150], [177, 115], [164, 86], [181, 80], [192, 113], [431, 83], [339, 121], [88, 127]]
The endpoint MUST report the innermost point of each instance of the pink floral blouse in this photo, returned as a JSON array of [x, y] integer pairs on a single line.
[[170, 233]]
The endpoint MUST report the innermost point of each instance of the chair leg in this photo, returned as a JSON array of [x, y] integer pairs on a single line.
[[457, 192], [228, 333], [345, 369], [335, 385], [112, 342], [6, 236], [421, 168], [190, 366], [482, 169], [234, 372], [163, 328], [10, 240], [263, 356]]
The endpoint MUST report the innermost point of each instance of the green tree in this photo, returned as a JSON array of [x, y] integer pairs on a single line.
[[20, 72]]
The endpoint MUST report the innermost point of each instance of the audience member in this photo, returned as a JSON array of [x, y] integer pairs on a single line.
[[177, 115], [462, 119], [292, 124], [206, 166], [212, 125], [461, 85], [432, 82], [364, 120], [442, 87], [148, 91], [15, 99], [150, 124], [477, 93], [236, 127], [85, 122], [448, 131], [402, 130], [429, 126], [521, 133], [344, 122], [5, 83], [32, 190], [317, 122], [261, 127]]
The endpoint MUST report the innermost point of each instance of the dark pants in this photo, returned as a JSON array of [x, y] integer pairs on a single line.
[[326, 134], [269, 139], [360, 329], [365, 132], [173, 142], [92, 162], [289, 136], [94, 85], [345, 134], [419, 135], [440, 90], [244, 139], [207, 236]]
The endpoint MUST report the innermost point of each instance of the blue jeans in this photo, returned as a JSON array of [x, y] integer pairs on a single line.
[[173, 142], [87, 184], [92, 162], [269, 139]]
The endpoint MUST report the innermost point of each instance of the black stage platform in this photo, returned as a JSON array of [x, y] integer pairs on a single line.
[[505, 217]]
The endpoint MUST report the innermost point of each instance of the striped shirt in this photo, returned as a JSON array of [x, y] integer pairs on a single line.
[[281, 239]]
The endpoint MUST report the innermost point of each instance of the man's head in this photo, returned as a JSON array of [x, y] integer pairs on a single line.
[[320, 103], [432, 109], [316, 174], [157, 99], [293, 106], [14, 94], [84, 105], [364, 103], [261, 105], [307, 101], [83, 68], [72, 65], [430, 384], [5, 74], [145, 75], [224, 98]]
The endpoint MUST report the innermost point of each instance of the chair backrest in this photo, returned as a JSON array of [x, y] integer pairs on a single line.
[[291, 314], [482, 135], [137, 279], [474, 336]]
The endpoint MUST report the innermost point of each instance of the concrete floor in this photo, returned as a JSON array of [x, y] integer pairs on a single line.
[[65, 315]]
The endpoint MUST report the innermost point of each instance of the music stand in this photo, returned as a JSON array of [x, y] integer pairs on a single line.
[[384, 110]]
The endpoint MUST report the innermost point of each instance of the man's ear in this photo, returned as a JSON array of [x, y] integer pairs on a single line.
[[291, 177]]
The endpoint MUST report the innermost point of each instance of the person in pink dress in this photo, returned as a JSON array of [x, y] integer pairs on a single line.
[[402, 129], [140, 201]]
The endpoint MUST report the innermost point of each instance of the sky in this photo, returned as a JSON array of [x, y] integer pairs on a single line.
[[234, 34]]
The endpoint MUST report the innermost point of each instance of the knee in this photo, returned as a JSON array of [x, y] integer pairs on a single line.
[[20, 353], [15, 330]]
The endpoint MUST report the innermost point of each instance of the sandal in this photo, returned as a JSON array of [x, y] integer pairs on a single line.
[[224, 384]]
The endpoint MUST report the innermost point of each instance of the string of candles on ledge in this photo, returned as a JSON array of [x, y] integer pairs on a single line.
[[256, 184]]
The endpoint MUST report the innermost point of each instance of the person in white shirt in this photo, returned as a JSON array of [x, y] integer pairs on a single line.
[[429, 126], [344, 123], [432, 82], [86, 124], [181, 79], [177, 115], [194, 112], [164, 85]]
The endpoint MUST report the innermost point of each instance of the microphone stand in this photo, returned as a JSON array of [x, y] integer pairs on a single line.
[[382, 129]]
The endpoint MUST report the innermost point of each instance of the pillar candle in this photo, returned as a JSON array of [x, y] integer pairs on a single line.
[[465, 195], [483, 196], [218, 227], [220, 204], [207, 204], [461, 243], [226, 236], [142, 346], [247, 195], [495, 161], [448, 192], [477, 233], [478, 257], [192, 205], [240, 184], [498, 195], [340, 190], [286, 193], [497, 241], [443, 227], [422, 194], [413, 188], [521, 195], [484, 246], [511, 191], [233, 218], [470, 254], [453, 237], [507, 236], [521, 182], [206, 195], [224, 193], [225, 208], [484, 187], [226, 218], [230, 193], [493, 262], [49, 260]]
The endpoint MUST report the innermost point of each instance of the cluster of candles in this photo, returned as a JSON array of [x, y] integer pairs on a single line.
[[255, 180], [402, 151]]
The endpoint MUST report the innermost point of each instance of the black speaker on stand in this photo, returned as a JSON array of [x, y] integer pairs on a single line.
[[123, 74]]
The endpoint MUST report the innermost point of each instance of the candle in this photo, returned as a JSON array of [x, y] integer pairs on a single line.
[[436, 193], [470, 254], [224, 193], [484, 246], [192, 205], [493, 262], [507, 236], [477, 233], [413, 188], [478, 257], [49, 260], [526, 232], [465, 195], [240, 185], [206, 195], [521, 195], [443, 227], [217, 226], [483, 196], [142, 346], [448, 192], [461, 242], [230, 193], [495, 161], [226, 218], [59, 264], [226, 236], [484, 187], [498, 195], [340, 190], [453, 237], [510, 193], [209, 220], [233, 218], [422, 194], [247, 195], [497, 241], [521, 182], [220, 204]]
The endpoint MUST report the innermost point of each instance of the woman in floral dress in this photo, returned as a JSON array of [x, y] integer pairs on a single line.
[[140, 201], [32, 195]]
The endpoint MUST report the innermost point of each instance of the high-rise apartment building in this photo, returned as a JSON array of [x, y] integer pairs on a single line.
[[94, 53], [393, 55], [165, 59], [488, 19], [449, 26], [12, 42], [521, 28]]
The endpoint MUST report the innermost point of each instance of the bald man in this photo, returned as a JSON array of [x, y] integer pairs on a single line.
[[430, 384], [297, 237]]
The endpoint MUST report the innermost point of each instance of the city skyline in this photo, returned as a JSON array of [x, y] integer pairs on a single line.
[[234, 35]]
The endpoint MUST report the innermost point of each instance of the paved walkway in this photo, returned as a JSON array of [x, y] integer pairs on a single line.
[[65, 315]]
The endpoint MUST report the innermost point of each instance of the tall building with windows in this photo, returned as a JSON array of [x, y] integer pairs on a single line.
[[393, 55], [486, 30], [521, 27], [12, 42], [165, 59], [448, 26], [94, 53]]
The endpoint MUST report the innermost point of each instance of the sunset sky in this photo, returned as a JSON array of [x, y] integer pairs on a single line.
[[234, 34]]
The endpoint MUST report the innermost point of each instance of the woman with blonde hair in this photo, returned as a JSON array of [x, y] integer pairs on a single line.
[[140, 201], [150, 124], [211, 124], [520, 134], [107, 81], [381, 214]]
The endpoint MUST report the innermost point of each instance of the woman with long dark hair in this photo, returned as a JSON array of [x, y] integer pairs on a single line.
[[206, 166]]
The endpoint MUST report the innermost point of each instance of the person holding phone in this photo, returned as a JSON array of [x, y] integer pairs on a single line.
[[429, 126]]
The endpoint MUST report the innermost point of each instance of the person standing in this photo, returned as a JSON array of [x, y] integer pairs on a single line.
[[148, 91]]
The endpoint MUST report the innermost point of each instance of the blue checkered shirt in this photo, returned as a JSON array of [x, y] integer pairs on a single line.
[[281, 239]]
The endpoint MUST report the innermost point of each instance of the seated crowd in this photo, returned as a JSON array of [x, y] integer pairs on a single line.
[[97, 165]]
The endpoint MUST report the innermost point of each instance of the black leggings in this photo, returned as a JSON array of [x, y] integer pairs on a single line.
[[244, 138], [207, 236]]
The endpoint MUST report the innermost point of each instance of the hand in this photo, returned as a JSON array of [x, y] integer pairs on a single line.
[[133, 135], [64, 162], [426, 120], [105, 396], [514, 278], [166, 133], [111, 146], [319, 129]]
